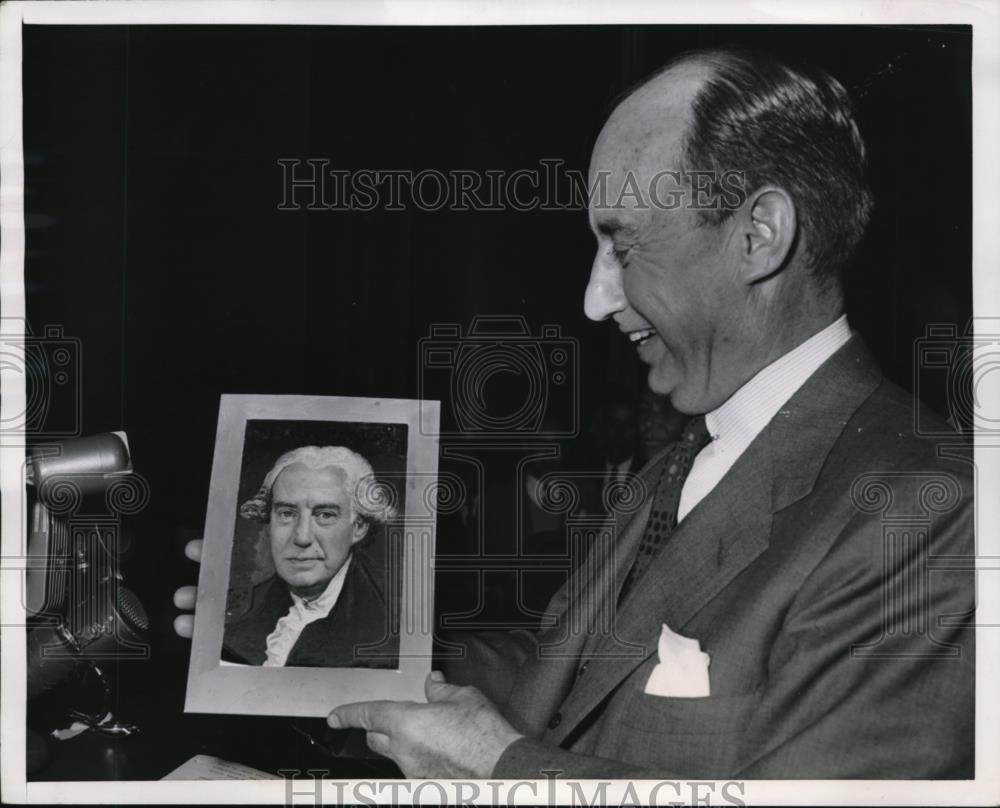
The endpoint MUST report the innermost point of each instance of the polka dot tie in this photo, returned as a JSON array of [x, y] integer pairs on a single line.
[[674, 469]]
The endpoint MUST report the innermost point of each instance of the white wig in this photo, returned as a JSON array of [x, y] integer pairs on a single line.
[[370, 500]]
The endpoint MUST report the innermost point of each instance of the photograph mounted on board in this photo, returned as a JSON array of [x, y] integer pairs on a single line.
[[315, 585]]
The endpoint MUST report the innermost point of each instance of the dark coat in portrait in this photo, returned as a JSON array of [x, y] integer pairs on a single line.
[[355, 634]]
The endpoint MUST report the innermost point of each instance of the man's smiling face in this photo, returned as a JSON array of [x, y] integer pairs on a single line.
[[666, 280]]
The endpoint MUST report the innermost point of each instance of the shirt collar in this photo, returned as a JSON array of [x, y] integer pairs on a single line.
[[751, 407]]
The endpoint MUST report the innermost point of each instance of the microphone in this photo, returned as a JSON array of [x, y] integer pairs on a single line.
[[85, 462], [75, 579], [97, 628], [61, 473], [79, 611]]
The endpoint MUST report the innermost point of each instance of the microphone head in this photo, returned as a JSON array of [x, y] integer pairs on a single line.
[[89, 464], [131, 611], [108, 620], [104, 630]]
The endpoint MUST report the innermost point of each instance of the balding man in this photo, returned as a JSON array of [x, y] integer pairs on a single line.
[[782, 632], [777, 609]]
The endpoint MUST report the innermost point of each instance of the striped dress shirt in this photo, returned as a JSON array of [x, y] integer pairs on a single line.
[[735, 424]]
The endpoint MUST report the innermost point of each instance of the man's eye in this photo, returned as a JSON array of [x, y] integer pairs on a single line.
[[285, 514], [620, 253], [324, 517]]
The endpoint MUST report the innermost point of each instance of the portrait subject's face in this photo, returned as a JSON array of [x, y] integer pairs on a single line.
[[664, 278], [311, 527]]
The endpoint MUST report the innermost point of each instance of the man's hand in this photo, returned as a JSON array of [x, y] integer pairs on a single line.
[[457, 734], [185, 597]]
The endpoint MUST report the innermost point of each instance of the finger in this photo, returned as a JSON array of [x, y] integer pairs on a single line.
[[436, 689], [185, 597], [193, 550], [378, 743], [374, 716], [184, 625]]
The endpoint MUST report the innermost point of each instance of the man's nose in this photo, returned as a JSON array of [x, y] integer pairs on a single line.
[[302, 535], [604, 295]]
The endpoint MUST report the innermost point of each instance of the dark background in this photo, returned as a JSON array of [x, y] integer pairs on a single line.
[[152, 188]]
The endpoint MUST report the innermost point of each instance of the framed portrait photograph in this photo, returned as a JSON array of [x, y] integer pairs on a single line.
[[316, 577]]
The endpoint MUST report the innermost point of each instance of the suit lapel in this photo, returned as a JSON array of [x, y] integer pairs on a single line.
[[721, 536], [728, 529]]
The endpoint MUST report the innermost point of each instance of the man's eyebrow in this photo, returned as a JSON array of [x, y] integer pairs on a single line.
[[612, 227], [326, 506]]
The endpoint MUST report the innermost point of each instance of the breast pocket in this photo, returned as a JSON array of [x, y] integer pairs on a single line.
[[700, 737], [711, 715]]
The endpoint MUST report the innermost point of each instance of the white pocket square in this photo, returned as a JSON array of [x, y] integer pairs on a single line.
[[683, 668]]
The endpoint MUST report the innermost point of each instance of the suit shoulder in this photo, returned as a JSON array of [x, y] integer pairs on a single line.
[[880, 468], [877, 451], [248, 600], [883, 433]]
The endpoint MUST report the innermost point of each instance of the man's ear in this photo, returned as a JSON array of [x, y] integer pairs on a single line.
[[768, 225], [360, 529]]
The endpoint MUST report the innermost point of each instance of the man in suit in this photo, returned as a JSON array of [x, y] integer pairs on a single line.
[[815, 550], [793, 598], [327, 599]]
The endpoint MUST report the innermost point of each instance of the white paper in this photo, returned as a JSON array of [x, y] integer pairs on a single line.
[[206, 767]]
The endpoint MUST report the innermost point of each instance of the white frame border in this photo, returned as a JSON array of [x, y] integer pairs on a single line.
[[313, 692]]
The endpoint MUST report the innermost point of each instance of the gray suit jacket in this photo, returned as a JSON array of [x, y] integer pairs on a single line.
[[829, 577]]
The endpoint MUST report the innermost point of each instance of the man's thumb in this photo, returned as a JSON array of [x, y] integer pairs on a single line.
[[436, 688]]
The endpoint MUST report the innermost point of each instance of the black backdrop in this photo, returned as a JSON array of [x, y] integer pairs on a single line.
[[155, 236]]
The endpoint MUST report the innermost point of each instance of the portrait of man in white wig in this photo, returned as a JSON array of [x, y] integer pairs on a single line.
[[326, 604]]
